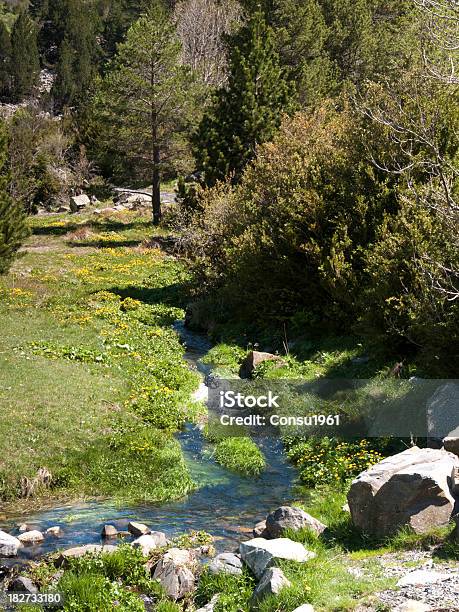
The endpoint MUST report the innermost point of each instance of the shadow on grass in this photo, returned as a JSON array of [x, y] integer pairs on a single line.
[[171, 295], [108, 225], [103, 244]]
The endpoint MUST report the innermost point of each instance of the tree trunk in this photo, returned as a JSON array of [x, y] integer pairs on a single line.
[[156, 187]]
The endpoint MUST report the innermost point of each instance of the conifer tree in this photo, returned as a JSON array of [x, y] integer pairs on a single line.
[[248, 110], [5, 60], [13, 228], [25, 63]]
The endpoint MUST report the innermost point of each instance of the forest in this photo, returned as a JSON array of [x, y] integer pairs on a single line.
[[254, 191]]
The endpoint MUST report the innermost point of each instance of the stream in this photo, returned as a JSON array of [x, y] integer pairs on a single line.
[[225, 505]]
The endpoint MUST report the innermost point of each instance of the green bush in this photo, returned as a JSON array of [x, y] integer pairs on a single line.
[[240, 455]]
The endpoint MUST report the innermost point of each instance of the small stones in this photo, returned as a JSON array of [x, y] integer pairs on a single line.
[[31, 537], [109, 531], [226, 563], [271, 583], [138, 529], [412, 605]]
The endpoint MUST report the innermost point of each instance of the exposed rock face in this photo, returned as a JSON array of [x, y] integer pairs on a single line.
[[174, 572], [443, 412], [271, 583], [109, 531], [253, 359], [21, 584], [260, 554], [79, 202], [290, 517], [138, 529], [226, 563], [451, 444], [411, 488], [80, 551], [31, 537], [9, 545]]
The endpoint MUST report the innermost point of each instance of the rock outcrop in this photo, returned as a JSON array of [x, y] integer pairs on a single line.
[[260, 554], [411, 488], [175, 573]]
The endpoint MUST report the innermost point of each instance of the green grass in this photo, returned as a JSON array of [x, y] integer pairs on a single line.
[[240, 455], [92, 380]]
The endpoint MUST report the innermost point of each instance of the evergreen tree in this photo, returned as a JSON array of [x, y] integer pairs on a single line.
[[248, 110], [5, 60], [13, 227], [25, 63], [145, 100]]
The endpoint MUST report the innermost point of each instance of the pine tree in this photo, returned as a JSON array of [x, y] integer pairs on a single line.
[[145, 102], [248, 110], [5, 60], [25, 63], [13, 227]]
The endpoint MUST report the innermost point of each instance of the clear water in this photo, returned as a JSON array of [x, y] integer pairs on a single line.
[[225, 505]]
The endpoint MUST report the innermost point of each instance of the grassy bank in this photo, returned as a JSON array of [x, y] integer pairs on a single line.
[[92, 381]]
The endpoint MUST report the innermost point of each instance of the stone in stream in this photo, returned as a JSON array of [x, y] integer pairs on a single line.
[[150, 541], [54, 531], [290, 517], [80, 551], [22, 527], [271, 583], [9, 545], [175, 573], [411, 488], [260, 531], [226, 563], [260, 554], [31, 537], [109, 531], [22, 584], [138, 529]]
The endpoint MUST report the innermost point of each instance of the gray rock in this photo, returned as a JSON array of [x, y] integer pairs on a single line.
[[260, 554], [290, 517], [451, 444], [9, 545], [442, 411], [226, 563], [80, 551], [260, 531], [253, 359], [22, 527], [79, 202], [54, 531], [146, 543], [422, 577], [304, 608], [22, 584], [109, 531], [31, 537], [174, 572], [210, 607], [411, 488], [412, 605], [271, 583], [138, 529]]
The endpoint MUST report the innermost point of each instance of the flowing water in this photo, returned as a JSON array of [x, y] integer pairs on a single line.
[[225, 505]]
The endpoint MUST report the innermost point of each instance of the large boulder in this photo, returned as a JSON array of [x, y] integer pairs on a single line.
[[260, 554], [175, 573], [226, 563], [411, 488], [253, 360], [443, 412], [79, 202], [271, 583], [9, 545], [290, 517]]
